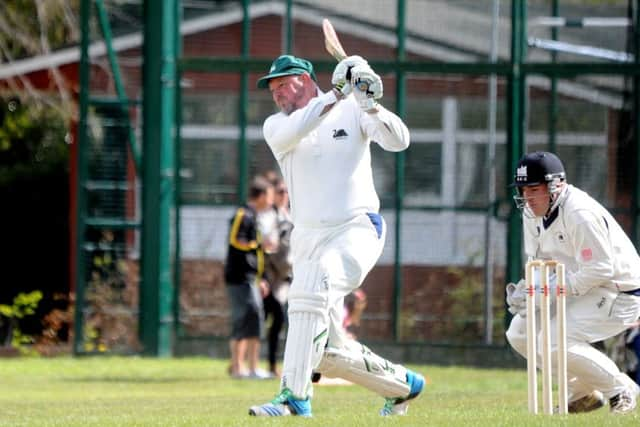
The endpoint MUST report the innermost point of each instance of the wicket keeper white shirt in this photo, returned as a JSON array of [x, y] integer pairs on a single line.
[[584, 236], [325, 160]]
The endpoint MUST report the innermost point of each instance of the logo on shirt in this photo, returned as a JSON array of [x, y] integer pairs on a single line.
[[325, 282], [339, 134]]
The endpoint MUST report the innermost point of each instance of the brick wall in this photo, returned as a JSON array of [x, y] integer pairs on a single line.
[[440, 304]]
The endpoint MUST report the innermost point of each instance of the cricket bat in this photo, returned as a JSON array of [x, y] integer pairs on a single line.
[[335, 49]]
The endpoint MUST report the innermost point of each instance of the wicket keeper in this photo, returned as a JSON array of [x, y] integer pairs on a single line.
[[565, 224]]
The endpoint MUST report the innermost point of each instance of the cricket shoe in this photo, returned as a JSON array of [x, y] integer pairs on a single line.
[[624, 402], [260, 374], [283, 405], [590, 402], [400, 405]]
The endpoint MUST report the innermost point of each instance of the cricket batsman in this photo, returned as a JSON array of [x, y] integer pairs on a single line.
[[321, 142]]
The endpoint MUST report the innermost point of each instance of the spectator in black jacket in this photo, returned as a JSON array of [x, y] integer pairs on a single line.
[[246, 287]]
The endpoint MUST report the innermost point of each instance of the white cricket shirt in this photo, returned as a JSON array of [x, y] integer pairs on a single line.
[[326, 160], [584, 236]]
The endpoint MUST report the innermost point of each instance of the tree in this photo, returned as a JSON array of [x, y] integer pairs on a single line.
[[34, 182], [31, 28], [34, 176]]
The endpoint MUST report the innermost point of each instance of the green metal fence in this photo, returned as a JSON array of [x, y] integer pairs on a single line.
[[477, 82]]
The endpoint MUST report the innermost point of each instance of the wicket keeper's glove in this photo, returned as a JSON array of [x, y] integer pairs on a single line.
[[552, 290], [517, 298]]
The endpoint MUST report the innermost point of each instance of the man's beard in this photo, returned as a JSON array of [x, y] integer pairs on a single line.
[[288, 108]]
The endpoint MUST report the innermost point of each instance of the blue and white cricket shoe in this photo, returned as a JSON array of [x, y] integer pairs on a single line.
[[282, 405], [400, 405]]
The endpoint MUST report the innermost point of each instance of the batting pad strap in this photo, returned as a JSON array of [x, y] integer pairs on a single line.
[[367, 369], [305, 302], [309, 291]]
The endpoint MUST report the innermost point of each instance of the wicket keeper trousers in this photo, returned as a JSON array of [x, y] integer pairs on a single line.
[[328, 262], [597, 315]]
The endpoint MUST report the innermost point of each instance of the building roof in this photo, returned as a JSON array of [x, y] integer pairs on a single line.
[[447, 31]]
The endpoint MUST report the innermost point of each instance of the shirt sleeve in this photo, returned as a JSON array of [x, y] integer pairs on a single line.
[[386, 129], [283, 132], [242, 235], [594, 257]]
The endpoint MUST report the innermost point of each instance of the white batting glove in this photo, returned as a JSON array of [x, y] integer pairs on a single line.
[[341, 78], [517, 298], [363, 77]]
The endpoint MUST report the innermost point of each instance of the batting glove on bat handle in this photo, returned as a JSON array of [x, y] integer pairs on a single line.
[[368, 86], [341, 78]]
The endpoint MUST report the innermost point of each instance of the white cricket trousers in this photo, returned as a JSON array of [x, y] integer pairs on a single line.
[[600, 314], [328, 264]]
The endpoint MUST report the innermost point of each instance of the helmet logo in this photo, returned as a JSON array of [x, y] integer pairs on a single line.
[[521, 173]]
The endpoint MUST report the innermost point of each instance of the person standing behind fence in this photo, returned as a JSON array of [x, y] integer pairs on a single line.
[[321, 142], [565, 224], [243, 273], [280, 260], [277, 222]]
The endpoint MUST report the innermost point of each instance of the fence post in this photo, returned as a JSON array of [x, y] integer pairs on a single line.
[[158, 189], [400, 157], [515, 133]]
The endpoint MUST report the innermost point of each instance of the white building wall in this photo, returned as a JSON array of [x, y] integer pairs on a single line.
[[204, 236]]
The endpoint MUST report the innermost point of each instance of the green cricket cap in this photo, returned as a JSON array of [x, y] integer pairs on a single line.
[[286, 65]]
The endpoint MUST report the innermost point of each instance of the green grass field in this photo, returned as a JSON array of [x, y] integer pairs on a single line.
[[114, 391]]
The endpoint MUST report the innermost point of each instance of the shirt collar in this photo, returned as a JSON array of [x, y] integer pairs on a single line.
[[548, 220]]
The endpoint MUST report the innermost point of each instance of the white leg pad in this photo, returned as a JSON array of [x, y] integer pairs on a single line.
[[360, 365], [308, 327]]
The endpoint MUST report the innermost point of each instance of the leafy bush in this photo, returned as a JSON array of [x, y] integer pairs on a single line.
[[24, 305]]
